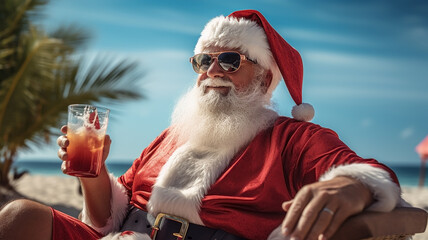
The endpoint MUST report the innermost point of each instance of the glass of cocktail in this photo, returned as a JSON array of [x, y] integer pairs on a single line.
[[86, 130]]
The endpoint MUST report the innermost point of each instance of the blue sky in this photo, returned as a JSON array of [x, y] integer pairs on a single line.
[[365, 65]]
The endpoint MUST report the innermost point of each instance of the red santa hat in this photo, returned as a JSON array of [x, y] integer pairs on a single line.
[[250, 32]]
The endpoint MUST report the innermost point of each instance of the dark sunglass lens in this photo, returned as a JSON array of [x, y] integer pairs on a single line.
[[229, 61], [201, 62]]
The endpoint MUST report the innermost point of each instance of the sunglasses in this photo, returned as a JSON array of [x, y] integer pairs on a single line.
[[228, 61]]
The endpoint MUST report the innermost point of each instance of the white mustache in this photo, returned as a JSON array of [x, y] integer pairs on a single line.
[[216, 82]]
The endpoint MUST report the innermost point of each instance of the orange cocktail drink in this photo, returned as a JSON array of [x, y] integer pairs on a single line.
[[86, 131]]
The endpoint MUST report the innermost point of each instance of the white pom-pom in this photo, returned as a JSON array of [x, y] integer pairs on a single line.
[[303, 112]]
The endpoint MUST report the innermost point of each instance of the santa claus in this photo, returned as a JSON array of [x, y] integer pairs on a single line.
[[229, 167]]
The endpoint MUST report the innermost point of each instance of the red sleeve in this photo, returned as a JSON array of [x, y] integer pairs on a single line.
[[311, 150]]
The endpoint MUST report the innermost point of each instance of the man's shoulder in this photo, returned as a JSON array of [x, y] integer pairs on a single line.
[[287, 125], [283, 121]]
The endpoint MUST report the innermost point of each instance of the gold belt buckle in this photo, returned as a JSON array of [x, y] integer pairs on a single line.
[[183, 230]]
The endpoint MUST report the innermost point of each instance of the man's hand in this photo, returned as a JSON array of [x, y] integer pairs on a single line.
[[320, 208]]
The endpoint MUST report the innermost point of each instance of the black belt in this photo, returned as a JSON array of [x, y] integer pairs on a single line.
[[169, 227]]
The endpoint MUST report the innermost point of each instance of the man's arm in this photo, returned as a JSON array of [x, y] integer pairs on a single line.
[[96, 191], [97, 195], [320, 208]]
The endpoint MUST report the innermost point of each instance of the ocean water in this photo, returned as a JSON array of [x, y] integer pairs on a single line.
[[407, 175], [54, 167]]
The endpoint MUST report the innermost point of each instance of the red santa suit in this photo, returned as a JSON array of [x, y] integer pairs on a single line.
[[246, 198]]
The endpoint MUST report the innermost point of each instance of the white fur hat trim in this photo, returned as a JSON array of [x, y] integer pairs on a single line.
[[303, 112]]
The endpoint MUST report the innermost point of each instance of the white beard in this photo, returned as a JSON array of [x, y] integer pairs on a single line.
[[210, 128], [212, 120]]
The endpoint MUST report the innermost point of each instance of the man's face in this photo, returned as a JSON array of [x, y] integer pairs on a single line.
[[224, 109], [241, 79]]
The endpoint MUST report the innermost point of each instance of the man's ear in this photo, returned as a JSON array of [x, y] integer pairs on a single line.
[[267, 80]]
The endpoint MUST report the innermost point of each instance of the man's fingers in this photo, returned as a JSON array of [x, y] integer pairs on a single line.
[[323, 221], [309, 217], [295, 211], [106, 148], [62, 154], [336, 222], [286, 205], [64, 129], [63, 167], [62, 141], [107, 140]]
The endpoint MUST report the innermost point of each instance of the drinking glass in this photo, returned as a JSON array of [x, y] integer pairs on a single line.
[[86, 129]]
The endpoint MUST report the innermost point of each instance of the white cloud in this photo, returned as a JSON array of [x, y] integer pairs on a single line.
[[340, 59], [371, 69], [367, 122], [352, 13], [166, 55], [322, 36], [352, 92], [173, 21], [361, 60], [169, 73], [407, 132], [418, 35]]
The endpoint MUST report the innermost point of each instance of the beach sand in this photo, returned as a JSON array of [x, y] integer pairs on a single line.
[[61, 192]]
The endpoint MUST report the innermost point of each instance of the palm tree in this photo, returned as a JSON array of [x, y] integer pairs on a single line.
[[42, 73]]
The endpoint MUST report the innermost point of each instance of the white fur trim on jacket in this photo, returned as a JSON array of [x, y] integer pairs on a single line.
[[133, 236], [119, 208], [185, 179], [385, 192]]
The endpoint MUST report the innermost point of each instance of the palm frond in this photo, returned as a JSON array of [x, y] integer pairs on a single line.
[[40, 76], [100, 78], [116, 83], [37, 64], [15, 14], [73, 36], [14, 22]]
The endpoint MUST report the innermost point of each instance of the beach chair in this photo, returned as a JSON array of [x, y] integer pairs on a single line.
[[398, 224]]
